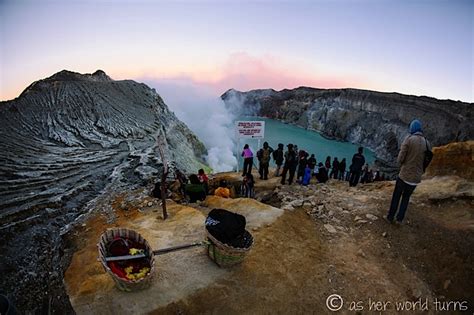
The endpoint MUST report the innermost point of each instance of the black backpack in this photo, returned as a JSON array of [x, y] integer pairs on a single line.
[[225, 226], [428, 157]]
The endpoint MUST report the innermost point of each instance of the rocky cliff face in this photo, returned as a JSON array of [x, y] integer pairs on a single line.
[[453, 159], [376, 120], [65, 140]]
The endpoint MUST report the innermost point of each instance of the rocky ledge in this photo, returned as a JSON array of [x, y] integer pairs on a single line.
[[65, 140]]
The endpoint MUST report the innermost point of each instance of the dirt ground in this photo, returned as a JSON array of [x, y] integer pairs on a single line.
[[338, 244]]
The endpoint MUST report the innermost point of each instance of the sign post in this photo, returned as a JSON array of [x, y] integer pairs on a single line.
[[249, 129]]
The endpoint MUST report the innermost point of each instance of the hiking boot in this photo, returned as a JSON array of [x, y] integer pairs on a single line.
[[398, 223], [388, 220]]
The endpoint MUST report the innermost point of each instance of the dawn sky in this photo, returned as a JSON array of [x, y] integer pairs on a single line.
[[411, 47]]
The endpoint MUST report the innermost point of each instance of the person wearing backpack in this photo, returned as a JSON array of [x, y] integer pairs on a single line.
[[263, 156], [290, 165], [411, 158], [278, 157]]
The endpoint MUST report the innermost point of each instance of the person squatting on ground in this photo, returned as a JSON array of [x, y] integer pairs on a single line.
[[290, 165], [263, 156], [203, 179], [322, 173], [182, 181], [195, 189], [278, 157], [411, 160], [358, 161], [307, 176], [222, 190], [248, 160]]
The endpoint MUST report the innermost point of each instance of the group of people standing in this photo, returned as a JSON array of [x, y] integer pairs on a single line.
[[298, 162], [414, 156]]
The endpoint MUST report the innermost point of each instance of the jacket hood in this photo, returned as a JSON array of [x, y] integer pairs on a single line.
[[415, 126]]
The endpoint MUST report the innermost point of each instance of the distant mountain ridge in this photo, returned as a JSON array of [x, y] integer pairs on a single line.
[[376, 120]]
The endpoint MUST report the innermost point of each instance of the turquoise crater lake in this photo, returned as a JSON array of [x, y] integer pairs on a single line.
[[310, 141]]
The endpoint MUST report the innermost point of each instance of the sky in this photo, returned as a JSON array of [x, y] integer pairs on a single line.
[[411, 47]]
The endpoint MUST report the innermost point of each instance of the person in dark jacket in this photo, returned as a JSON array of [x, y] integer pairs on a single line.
[[335, 168], [411, 160], [364, 177], [342, 169], [278, 157], [327, 164], [358, 161], [302, 162], [312, 163], [322, 174], [291, 162]]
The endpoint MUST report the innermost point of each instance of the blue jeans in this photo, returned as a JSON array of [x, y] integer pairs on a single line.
[[402, 190]]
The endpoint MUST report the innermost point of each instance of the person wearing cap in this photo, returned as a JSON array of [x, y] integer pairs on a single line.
[[411, 159], [290, 165]]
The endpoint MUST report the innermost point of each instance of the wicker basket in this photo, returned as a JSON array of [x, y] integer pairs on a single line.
[[125, 284], [225, 255]]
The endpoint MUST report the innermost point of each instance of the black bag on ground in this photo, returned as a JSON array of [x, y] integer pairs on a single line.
[[428, 157], [226, 226]]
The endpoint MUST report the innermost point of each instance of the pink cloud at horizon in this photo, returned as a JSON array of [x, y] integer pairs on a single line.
[[243, 71]]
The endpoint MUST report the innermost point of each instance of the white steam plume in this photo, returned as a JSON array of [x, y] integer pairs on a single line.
[[206, 115]]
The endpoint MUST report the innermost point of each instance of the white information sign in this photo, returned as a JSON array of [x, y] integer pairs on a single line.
[[250, 129]]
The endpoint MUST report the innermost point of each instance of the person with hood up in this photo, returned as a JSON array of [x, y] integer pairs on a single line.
[[411, 160]]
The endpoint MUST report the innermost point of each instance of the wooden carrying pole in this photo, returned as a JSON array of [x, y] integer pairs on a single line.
[[164, 174]]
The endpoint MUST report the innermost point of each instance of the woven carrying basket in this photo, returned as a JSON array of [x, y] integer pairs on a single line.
[[225, 255], [125, 284]]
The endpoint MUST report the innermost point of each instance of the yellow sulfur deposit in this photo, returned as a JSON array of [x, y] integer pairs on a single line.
[[135, 276], [135, 251]]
